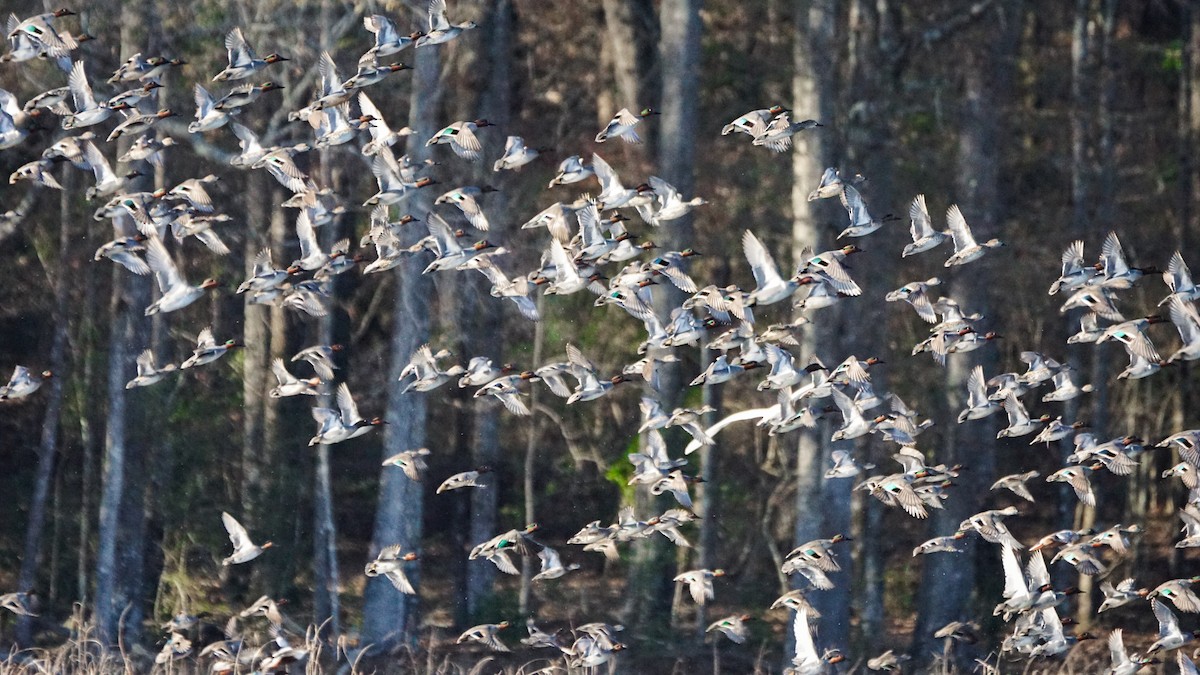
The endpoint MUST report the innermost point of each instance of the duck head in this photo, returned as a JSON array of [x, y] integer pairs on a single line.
[[646, 112], [275, 58], [270, 86], [209, 283], [479, 124]]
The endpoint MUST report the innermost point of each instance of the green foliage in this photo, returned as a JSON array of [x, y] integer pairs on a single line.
[[1172, 57]]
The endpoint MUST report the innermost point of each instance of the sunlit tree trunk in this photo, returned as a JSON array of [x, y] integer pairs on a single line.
[[814, 86]]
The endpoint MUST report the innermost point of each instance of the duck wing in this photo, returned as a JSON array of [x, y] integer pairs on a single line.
[[1014, 580], [1168, 624], [762, 265], [1178, 277], [239, 51], [918, 214], [437, 15], [237, 533], [1186, 320], [1113, 256], [957, 224], [81, 90], [806, 650], [443, 236], [160, 262], [347, 405]]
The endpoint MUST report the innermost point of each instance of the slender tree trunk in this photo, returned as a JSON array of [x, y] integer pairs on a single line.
[[528, 565], [255, 360], [89, 414], [48, 448], [388, 616], [814, 86], [326, 603], [279, 486], [1189, 128], [1081, 113], [1105, 218]]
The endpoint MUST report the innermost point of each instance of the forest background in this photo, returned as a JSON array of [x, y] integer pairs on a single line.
[[1045, 121]]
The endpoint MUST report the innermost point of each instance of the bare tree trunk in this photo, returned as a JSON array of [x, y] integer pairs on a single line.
[[1081, 113], [814, 86], [1105, 218], [1189, 127], [89, 414], [48, 449], [388, 616], [872, 87], [478, 318], [649, 595], [278, 487], [528, 566], [122, 516], [987, 80], [631, 35], [326, 603], [255, 360]]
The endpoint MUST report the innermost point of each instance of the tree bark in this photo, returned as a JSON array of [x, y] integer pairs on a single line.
[[477, 317], [119, 559], [814, 83], [631, 35], [1189, 127], [390, 617], [679, 55], [987, 78], [48, 448]]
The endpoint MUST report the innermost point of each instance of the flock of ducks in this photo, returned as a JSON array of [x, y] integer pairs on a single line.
[[588, 245]]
